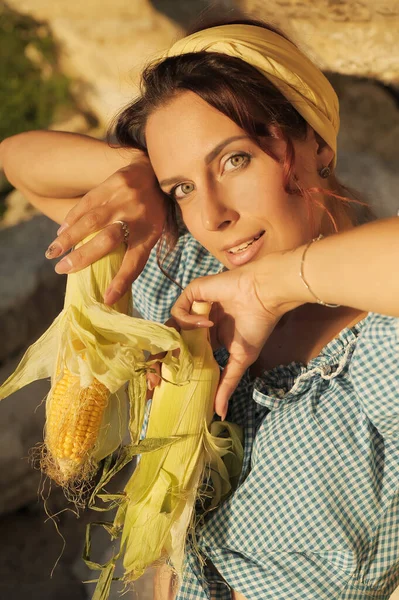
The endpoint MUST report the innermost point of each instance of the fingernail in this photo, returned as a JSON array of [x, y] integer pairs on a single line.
[[64, 266], [150, 385], [223, 414], [61, 228], [203, 324], [53, 250]]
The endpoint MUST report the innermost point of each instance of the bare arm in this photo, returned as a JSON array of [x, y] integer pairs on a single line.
[[55, 169], [58, 164], [356, 268], [89, 187]]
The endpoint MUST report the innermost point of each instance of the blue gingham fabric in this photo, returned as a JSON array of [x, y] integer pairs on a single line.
[[154, 294], [316, 512]]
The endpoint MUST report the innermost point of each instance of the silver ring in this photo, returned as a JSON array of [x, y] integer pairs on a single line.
[[125, 229]]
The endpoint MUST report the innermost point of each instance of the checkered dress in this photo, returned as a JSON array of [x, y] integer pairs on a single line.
[[316, 512]]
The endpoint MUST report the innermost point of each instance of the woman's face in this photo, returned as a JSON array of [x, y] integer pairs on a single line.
[[229, 191]]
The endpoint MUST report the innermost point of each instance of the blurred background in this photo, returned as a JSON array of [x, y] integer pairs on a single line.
[[71, 65]]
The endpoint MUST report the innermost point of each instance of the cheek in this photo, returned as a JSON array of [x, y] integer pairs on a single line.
[[191, 217], [265, 194]]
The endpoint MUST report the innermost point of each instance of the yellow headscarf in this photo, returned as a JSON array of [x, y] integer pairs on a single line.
[[292, 73]]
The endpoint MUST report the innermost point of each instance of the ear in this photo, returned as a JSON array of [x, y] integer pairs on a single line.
[[275, 142], [275, 132], [325, 154]]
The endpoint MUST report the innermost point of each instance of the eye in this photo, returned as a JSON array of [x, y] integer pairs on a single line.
[[237, 161], [181, 190]]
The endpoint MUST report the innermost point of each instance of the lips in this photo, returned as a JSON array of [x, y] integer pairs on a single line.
[[240, 247], [245, 250]]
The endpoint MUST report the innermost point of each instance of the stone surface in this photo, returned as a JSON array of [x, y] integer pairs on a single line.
[[22, 421], [344, 36], [35, 564], [17, 210], [31, 292], [367, 144], [104, 45]]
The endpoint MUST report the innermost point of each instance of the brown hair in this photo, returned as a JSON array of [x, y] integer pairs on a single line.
[[242, 93]]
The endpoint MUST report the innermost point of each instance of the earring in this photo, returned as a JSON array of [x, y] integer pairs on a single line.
[[325, 172]]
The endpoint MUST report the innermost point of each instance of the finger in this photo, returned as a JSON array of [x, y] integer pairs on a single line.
[[171, 322], [89, 223], [100, 245], [154, 379], [229, 380], [133, 263], [182, 307], [87, 203], [154, 376]]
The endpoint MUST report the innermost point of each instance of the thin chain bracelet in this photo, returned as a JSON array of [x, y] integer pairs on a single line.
[[302, 276]]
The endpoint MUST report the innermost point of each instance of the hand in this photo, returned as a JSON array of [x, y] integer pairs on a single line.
[[242, 320], [153, 377], [131, 195]]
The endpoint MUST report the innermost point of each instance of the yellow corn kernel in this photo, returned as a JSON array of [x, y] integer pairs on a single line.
[[74, 417]]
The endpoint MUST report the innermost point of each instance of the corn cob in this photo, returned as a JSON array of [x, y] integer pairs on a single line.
[[161, 493], [74, 417], [76, 404], [79, 407], [90, 352]]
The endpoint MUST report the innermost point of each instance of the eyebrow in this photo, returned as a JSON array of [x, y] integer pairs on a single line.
[[208, 158]]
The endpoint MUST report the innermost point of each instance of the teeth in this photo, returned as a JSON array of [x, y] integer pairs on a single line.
[[243, 246]]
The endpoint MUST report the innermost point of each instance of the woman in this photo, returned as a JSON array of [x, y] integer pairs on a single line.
[[240, 130]]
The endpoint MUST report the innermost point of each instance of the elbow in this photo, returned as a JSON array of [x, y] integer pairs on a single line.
[[8, 150], [13, 154]]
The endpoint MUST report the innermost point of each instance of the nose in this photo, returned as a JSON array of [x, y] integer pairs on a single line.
[[217, 211]]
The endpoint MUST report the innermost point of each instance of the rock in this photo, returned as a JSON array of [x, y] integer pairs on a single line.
[[75, 123], [22, 421], [31, 292], [367, 144], [17, 210], [105, 45], [353, 38], [31, 548]]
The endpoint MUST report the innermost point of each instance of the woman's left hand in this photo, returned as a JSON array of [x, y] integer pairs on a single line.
[[241, 320]]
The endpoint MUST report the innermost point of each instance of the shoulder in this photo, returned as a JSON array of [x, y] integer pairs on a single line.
[[378, 341], [374, 371]]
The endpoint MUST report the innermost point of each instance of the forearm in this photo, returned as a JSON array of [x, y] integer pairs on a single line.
[[357, 268], [52, 164]]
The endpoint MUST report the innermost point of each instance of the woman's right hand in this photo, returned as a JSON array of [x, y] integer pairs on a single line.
[[130, 195]]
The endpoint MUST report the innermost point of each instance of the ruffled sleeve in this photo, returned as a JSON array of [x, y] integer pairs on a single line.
[[374, 372], [154, 294]]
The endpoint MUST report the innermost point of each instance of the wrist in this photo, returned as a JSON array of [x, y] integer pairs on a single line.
[[305, 280], [278, 281]]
